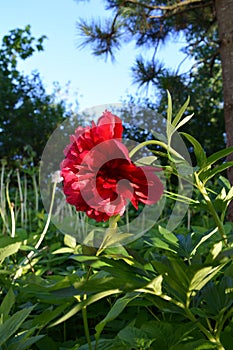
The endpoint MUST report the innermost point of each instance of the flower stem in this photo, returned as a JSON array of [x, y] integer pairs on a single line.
[[85, 324], [11, 207], [32, 253], [212, 210], [109, 233], [205, 331], [154, 142]]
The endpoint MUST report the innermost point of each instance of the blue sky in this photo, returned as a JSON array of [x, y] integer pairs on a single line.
[[94, 80]]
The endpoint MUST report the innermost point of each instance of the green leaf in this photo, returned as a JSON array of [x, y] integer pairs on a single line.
[[218, 155], [229, 195], [90, 300], [13, 323], [154, 287], [47, 343], [106, 344], [115, 311], [24, 343], [145, 160], [208, 174], [70, 241], [216, 249], [7, 304], [9, 250], [203, 276], [169, 108], [168, 335], [48, 315], [184, 121], [135, 337], [162, 332], [200, 344], [165, 240], [198, 150], [227, 337], [180, 112], [202, 239], [224, 182], [64, 250], [218, 297]]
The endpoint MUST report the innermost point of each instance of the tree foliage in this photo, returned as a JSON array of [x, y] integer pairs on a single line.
[[28, 115], [149, 23]]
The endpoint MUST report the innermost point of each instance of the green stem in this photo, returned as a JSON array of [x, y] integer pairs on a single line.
[[212, 210], [35, 191], [205, 331], [221, 324], [109, 233], [154, 142], [32, 253], [85, 324], [20, 197], [11, 207]]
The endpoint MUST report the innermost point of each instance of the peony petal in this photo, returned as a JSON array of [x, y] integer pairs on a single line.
[[110, 126]]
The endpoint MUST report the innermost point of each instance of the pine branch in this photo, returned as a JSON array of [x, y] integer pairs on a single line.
[[173, 7]]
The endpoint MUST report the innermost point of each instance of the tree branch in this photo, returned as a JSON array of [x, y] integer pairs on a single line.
[[179, 10], [166, 7]]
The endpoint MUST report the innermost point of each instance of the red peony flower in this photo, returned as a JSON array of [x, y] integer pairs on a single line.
[[99, 177]]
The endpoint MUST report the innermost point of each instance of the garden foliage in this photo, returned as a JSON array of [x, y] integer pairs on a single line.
[[166, 290]]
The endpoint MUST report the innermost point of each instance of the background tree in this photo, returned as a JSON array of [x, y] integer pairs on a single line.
[[208, 28], [28, 115]]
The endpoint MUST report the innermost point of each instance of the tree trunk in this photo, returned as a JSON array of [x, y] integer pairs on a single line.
[[224, 12]]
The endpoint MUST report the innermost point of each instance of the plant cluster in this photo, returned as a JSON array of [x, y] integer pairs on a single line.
[[170, 289]]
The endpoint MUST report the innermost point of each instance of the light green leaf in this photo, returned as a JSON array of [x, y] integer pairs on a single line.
[[145, 160], [184, 121], [229, 195], [63, 250], [70, 241], [9, 250], [215, 250], [181, 112], [203, 276], [169, 108], [154, 287]]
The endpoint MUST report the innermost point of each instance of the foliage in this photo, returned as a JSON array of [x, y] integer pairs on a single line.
[[153, 23], [28, 115], [168, 290]]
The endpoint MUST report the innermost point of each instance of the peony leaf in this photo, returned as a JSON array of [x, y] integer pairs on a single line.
[[115, 311], [208, 174], [13, 323], [198, 150], [9, 250], [145, 160], [181, 112], [92, 299], [203, 276], [219, 155]]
